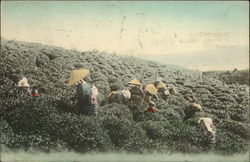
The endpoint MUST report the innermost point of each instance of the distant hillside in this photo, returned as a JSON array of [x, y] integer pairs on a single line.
[[221, 58], [230, 77], [51, 123]]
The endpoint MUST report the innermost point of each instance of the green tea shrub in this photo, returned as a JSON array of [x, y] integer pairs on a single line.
[[118, 110], [138, 141], [117, 129], [52, 122], [81, 133], [226, 140], [7, 134]]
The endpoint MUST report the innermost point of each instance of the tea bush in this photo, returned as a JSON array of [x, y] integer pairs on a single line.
[[231, 77], [51, 122]]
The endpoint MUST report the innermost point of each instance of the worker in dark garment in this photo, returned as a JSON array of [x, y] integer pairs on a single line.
[[191, 110], [86, 94], [135, 89], [162, 88]]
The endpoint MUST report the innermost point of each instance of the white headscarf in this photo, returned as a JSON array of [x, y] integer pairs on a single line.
[[126, 94], [23, 82], [208, 123]]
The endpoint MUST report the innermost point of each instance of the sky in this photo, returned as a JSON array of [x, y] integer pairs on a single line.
[[138, 28]]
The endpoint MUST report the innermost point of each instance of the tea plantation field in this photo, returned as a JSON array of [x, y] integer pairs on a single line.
[[50, 122]]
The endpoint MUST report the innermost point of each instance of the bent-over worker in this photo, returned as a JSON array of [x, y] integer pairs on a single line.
[[207, 125], [120, 96], [135, 88]]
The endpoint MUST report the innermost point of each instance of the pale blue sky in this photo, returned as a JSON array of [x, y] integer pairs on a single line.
[[136, 28], [221, 13]]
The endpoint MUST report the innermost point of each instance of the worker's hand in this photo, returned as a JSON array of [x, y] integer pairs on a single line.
[[110, 94]]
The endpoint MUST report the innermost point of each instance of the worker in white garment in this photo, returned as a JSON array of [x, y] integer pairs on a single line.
[[207, 125]]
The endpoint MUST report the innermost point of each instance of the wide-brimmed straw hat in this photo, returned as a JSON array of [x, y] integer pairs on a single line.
[[23, 82], [161, 85], [151, 89], [77, 75], [135, 82]]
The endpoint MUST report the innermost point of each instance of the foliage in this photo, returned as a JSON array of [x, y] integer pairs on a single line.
[[231, 77], [50, 122]]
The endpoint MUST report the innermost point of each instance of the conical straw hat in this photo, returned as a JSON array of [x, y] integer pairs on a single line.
[[135, 82], [197, 106], [161, 85], [151, 89], [77, 75]]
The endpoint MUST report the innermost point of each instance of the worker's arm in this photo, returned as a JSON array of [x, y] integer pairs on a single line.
[[111, 94]]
